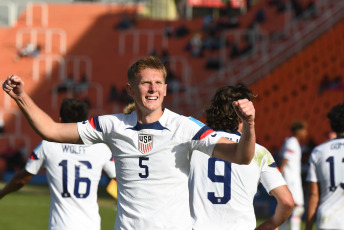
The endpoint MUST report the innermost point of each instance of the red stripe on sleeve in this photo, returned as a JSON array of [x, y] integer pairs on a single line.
[[206, 133], [91, 121]]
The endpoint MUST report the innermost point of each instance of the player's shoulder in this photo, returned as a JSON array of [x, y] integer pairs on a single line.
[[262, 155], [329, 145], [185, 123], [113, 121]]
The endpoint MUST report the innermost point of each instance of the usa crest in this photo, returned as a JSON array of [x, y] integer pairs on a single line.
[[145, 143]]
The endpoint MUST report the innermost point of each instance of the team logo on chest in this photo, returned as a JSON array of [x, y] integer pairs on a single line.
[[145, 143]]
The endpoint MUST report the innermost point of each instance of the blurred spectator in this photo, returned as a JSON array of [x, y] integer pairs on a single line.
[[29, 50], [213, 62], [327, 84], [234, 51], [168, 30], [260, 16], [310, 11], [196, 45], [82, 86], [14, 158], [296, 6], [114, 95], [67, 84], [181, 31], [165, 57], [153, 53], [125, 23], [124, 97], [226, 22], [172, 81], [207, 22]]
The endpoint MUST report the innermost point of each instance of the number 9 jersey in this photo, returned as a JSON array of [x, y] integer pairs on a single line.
[[326, 167], [221, 193], [73, 173]]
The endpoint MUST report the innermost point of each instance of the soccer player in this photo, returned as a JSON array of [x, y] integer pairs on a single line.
[[150, 146], [73, 173], [221, 193], [291, 171], [326, 178]]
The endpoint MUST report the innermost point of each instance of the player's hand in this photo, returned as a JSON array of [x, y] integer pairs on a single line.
[[13, 86], [245, 110]]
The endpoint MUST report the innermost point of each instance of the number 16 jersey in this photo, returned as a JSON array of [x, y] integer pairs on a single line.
[[221, 193], [73, 173]]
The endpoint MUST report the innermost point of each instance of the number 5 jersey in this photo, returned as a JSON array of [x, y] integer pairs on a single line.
[[152, 163], [221, 193], [73, 173]]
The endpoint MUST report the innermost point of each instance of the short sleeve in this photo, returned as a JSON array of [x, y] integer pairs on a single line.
[[271, 177], [91, 131], [311, 175], [36, 159], [288, 150], [203, 138]]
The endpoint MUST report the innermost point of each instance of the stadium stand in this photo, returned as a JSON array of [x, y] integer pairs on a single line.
[[286, 79]]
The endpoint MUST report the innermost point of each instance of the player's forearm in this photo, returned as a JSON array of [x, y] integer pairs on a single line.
[[17, 182], [282, 213], [43, 125], [311, 210], [246, 146], [38, 119]]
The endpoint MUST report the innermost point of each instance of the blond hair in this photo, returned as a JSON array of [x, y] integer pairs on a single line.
[[150, 62]]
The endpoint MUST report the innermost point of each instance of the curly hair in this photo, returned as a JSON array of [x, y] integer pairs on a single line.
[[151, 62], [336, 116], [221, 114]]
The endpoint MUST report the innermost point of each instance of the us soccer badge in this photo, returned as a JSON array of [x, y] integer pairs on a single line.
[[145, 143]]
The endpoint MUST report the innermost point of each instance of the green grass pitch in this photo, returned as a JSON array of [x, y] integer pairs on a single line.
[[28, 209]]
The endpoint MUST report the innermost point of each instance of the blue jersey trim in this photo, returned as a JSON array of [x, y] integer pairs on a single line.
[[96, 124], [33, 156], [200, 124], [38, 146], [273, 165], [155, 125], [199, 134]]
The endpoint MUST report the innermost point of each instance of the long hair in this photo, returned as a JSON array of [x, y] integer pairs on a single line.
[[221, 114]]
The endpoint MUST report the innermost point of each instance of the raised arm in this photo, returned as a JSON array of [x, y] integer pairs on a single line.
[[17, 182], [284, 208], [312, 204], [242, 152], [37, 118]]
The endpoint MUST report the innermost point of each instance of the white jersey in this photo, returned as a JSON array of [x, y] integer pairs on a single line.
[[292, 171], [326, 167], [152, 164], [221, 193], [73, 173]]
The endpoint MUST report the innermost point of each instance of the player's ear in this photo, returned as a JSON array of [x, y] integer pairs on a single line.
[[165, 89], [129, 89]]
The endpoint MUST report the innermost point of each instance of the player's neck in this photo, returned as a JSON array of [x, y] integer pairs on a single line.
[[148, 117]]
